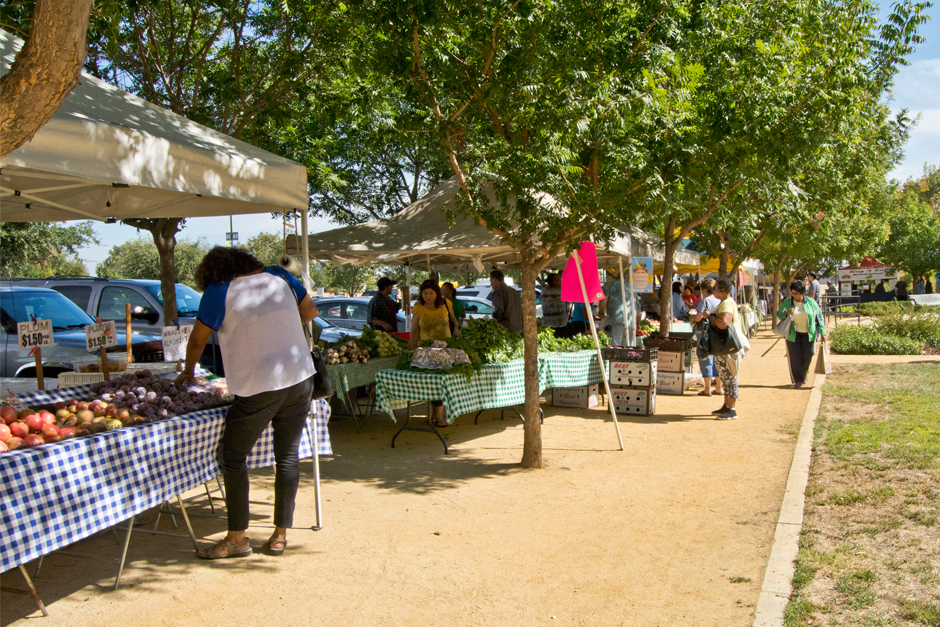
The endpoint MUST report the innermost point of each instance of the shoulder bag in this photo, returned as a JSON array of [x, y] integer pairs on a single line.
[[723, 341]]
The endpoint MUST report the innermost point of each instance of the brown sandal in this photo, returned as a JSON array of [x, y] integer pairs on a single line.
[[242, 549], [276, 546]]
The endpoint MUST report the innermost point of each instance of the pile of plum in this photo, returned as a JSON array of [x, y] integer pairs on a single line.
[[147, 395]]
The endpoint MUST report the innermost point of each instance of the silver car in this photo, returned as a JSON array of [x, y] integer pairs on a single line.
[[349, 313]]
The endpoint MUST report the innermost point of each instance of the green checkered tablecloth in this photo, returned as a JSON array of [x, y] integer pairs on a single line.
[[568, 370], [345, 377], [491, 387]]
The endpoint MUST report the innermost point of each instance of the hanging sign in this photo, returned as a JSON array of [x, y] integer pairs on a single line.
[[642, 268], [100, 335], [175, 340], [35, 333]]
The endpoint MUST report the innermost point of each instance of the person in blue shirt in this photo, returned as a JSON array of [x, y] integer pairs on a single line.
[[259, 315]]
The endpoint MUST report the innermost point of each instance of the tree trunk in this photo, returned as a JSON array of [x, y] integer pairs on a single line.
[[45, 70], [164, 236], [665, 290], [723, 261], [532, 445]]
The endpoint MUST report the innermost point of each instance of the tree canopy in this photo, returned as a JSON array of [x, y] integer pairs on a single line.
[[41, 249]]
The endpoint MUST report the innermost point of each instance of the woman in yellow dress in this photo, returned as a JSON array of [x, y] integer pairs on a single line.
[[431, 320]]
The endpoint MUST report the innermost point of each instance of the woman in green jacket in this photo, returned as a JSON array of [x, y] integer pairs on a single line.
[[808, 324]]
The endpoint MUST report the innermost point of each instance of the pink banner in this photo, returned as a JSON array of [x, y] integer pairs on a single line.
[[571, 286]]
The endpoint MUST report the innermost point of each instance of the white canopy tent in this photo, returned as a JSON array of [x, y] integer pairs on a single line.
[[108, 155], [422, 235]]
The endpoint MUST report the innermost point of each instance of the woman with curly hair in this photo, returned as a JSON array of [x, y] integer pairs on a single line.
[[259, 315]]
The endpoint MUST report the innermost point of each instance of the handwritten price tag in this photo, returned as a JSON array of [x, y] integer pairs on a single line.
[[11, 400], [35, 334], [175, 341], [100, 335]]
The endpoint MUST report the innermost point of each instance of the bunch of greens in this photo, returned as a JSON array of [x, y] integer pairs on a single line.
[[488, 342]]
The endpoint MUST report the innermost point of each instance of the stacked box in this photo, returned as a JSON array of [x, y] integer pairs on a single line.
[[585, 396], [637, 401], [672, 383], [632, 374]]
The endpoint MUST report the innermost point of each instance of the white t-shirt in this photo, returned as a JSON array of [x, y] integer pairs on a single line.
[[260, 332]]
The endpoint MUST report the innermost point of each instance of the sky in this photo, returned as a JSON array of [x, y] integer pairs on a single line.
[[917, 89]]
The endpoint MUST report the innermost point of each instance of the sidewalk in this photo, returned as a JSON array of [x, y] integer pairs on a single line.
[[676, 530]]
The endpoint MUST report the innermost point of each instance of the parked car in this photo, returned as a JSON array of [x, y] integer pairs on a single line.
[[106, 299], [476, 308], [482, 292], [349, 313], [331, 333], [18, 303]]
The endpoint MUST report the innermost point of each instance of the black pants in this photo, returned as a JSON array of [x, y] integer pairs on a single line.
[[246, 420], [800, 351]]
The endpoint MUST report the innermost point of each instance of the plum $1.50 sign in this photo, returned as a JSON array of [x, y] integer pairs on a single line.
[[100, 335], [35, 333], [175, 340]]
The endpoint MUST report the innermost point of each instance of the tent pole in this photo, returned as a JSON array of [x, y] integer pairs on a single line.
[[406, 297], [597, 347]]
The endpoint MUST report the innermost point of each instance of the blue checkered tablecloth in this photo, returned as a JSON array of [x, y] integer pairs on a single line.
[[491, 387], [56, 494]]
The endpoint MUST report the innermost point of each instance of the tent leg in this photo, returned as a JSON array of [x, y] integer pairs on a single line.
[[597, 347]]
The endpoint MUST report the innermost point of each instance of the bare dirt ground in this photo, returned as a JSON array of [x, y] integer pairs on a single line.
[[674, 531]]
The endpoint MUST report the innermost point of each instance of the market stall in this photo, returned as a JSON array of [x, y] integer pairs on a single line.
[[493, 386], [56, 494]]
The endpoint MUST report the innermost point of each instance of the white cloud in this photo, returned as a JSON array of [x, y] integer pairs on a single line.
[[923, 146], [917, 86]]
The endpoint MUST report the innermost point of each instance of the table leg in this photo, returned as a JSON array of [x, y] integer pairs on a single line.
[[189, 527], [428, 429], [127, 542], [33, 592], [476, 416]]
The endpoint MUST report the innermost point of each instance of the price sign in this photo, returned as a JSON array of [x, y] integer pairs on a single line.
[[11, 400], [175, 341], [100, 335], [35, 334]]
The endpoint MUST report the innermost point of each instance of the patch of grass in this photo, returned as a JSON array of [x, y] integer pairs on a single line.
[[857, 586], [921, 517], [883, 527], [798, 613], [921, 612], [739, 579], [813, 490], [907, 429], [850, 497]]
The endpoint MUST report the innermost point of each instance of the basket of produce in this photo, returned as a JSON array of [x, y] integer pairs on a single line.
[[380, 343], [643, 354], [667, 344]]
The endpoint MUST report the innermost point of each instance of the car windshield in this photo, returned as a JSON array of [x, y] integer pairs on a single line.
[[22, 306], [187, 299], [323, 323]]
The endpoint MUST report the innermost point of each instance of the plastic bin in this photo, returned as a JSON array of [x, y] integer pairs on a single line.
[[92, 363]]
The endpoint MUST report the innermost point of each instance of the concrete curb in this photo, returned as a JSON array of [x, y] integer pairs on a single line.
[[775, 590]]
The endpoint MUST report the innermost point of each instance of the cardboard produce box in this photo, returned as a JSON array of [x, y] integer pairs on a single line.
[[637, 401], [633, 374], [671, 382], [671, 362], [582, 397]]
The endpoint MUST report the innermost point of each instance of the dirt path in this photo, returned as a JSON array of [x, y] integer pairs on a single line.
[[674, 531]]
